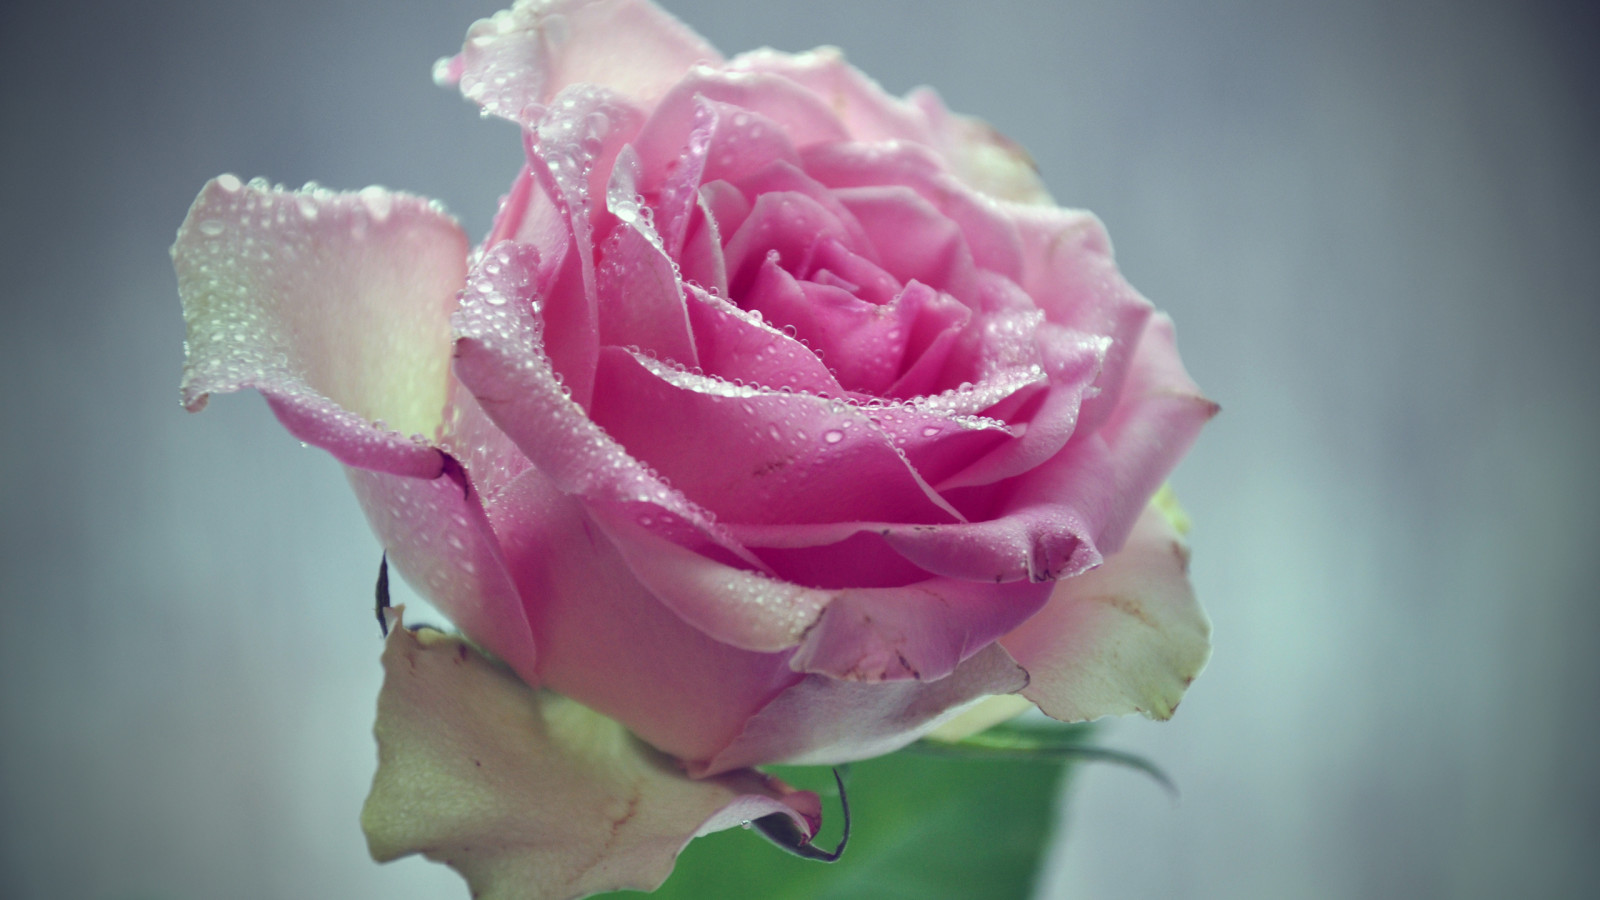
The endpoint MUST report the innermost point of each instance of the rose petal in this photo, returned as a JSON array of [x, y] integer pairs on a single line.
[[1159, 416], [608, 642], [869, 112], [787, 458], [527, 54], [749, 120], [822, 721], [439, 539], [983, 157], [990, 233], [1072, 364], [530, 796], [334, 306], [641, 296], [738, 345], [572, 149], [501, 358], [1069, 271], [1126, 637], [920, 631]]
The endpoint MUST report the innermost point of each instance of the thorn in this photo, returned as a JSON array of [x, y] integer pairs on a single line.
[[383, 593]]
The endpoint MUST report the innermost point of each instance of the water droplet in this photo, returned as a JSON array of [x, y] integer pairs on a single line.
[[212, 227], [930, 430], [833, 437], [229, 183], [377, 201]]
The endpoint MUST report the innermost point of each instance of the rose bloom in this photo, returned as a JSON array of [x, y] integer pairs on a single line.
[[776, 418]]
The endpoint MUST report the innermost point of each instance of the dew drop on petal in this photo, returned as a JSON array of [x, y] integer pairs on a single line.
[[833, 437]]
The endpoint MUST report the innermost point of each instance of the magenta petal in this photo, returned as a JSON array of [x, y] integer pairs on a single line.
[[641, 297], [438, 537], [786, 458], [1126, 637], [822, 720], [572, 149], [335, 306], [735, 345], [746, 609], [527, 54], [500, 356]]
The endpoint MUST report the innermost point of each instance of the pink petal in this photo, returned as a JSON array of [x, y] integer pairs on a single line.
[[782, 457], [1072, 364], [866, 109], [983, 157], [914, 241], [641, 296], [821, 720], [501, 358], [746, 121], [734, 344], [438, 537], [607, 641], [989, 232], [528, 794], [920, 631], [1126, 637], [1069, 271], [334, 306], [572, 149], [527, 54], [1159, 416]]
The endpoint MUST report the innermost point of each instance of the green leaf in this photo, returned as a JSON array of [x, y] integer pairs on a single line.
[[925, 827]]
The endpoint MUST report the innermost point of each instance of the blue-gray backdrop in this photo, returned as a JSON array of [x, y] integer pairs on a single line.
[[1375, 223]]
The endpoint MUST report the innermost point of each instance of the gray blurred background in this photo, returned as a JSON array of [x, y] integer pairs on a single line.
[[1375, 224]]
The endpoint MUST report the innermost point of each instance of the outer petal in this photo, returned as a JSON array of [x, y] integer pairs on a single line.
[[528, 53], [1069, 271], [822, 720], [335, 306], [866, 109], [1126, 637], [920, 631], [531, 796], [438, 537], [606, 641], [983, 157]]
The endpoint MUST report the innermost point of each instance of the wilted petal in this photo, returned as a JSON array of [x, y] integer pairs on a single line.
[[527, 54], [1126, 637], [531, 796], [334, 306]]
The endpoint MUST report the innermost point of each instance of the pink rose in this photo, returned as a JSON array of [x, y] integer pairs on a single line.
[[777, 418]]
